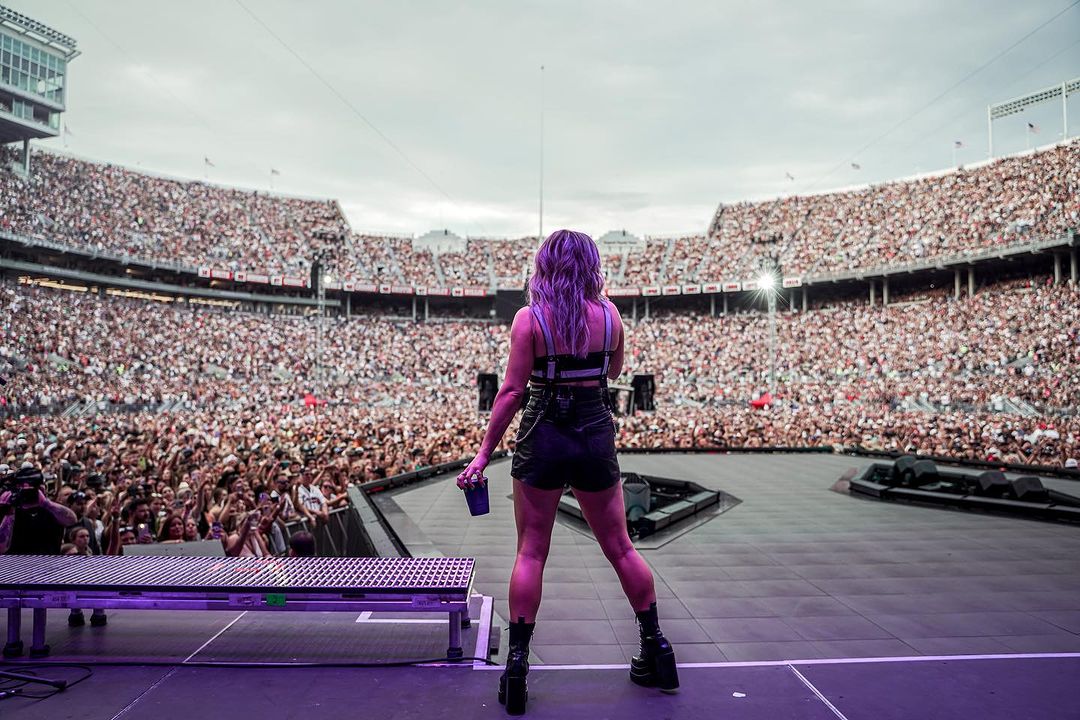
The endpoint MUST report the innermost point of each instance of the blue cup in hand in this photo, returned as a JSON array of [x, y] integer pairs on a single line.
[[477, 498]]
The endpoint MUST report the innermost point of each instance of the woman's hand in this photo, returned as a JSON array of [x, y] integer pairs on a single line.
[[473, 474]]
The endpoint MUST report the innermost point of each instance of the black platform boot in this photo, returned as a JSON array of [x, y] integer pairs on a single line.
[[654, 665], [513, 691]]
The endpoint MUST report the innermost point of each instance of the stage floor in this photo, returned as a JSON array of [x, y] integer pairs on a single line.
[[795, 571], [991, 689], [807, 603]]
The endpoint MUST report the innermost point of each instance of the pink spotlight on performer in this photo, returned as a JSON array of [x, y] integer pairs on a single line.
[[567, 343]]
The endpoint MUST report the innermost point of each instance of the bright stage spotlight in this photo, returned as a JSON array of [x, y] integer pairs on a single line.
[[767, 281]]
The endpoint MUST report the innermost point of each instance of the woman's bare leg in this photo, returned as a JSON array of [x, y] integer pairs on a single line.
[[534, 511], [606, 514]]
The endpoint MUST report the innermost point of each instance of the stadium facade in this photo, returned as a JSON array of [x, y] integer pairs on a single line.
[[34, 62]]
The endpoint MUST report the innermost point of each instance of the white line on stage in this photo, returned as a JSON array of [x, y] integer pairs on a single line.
[[817, 692]]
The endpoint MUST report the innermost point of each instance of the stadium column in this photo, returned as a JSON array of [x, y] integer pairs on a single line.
[[26, 156], [971, 282], [712, 305], [633, 311], [427, 309], [414, 308], [1057, 268], [348, 304], [1072, 265], [872, 297], [884, 291], [725, 303], [804, 298], [956, 284], [646, 308]]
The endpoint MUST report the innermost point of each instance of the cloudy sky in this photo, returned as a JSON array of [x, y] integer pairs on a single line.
[[654, 112]]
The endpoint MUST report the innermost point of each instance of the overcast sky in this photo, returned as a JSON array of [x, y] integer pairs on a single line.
[[655, 112]]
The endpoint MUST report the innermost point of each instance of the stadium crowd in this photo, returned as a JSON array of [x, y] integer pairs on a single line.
[[261, 442], [1012, 340], [226, 425], [999, 203], [109, 208]]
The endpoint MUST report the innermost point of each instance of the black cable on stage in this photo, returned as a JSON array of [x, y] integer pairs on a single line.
[[14, 688]]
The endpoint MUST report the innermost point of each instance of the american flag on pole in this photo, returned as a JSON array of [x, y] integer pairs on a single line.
[[274, 172], [789, 176], [856, 166], [206, 161], [1032, 127], [958, 144]]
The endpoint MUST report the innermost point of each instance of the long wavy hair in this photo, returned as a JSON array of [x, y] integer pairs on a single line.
[[566, 275]]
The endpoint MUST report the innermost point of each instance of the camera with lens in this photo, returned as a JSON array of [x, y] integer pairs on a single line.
[[24, 485]]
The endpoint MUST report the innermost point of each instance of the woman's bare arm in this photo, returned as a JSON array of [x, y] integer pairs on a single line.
[[616, 364], [518, 369]]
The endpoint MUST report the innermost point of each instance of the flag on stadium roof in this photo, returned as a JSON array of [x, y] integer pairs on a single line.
[[206, 161], [958, 144], [1032, 127], [789, 176], [856, 166], [274, 172]]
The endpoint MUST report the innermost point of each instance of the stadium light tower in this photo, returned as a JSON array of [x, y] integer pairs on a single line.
[[767, 283]]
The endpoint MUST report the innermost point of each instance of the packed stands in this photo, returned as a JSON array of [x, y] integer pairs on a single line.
[[997, 203], [1015, 341], [108, 208]]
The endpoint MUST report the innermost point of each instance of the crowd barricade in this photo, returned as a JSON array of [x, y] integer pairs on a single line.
[[342, 535]]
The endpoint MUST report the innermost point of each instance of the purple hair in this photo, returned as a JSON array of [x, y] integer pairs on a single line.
[[566, 275]]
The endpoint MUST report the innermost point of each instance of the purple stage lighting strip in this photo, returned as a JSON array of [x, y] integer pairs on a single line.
[[818, 661], [303, 574]]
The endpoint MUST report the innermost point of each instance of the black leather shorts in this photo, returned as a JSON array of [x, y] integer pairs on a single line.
[[566, 437]]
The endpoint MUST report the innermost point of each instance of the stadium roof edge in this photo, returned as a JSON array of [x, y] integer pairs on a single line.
[[39, 29]]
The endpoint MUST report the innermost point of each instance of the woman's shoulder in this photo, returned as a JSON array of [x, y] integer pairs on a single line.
[[611, 307]]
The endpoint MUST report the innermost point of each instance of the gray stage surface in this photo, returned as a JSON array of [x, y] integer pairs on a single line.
[[798, 603], [795, 571]]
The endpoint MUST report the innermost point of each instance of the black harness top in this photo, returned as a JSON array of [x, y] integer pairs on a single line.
[[552, 369]]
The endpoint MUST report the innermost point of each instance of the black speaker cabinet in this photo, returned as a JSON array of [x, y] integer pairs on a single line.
[[644, 392], [487, 385], [508, 302]]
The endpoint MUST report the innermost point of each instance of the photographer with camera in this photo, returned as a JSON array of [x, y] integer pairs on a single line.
[[32, 524]]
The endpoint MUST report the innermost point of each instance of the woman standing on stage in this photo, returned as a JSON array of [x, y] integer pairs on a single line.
[[567, 343]]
